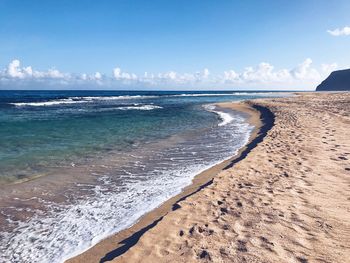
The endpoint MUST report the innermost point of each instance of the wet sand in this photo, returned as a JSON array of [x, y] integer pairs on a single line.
[[284, 198]]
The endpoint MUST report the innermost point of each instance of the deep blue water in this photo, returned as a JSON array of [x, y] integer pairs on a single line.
[[110, 156]]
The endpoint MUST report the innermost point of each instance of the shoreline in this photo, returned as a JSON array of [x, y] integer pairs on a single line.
[[120, 242], [286, 201]]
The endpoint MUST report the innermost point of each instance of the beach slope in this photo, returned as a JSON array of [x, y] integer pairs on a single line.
[[288, 200]]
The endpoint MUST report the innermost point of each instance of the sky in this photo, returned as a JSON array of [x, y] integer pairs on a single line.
[[172, 44]]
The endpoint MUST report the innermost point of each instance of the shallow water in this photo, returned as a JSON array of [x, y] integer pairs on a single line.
[[109, 157]]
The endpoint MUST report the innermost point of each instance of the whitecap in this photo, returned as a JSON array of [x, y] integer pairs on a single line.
[[224, 116], [141, 107], [47, 103]]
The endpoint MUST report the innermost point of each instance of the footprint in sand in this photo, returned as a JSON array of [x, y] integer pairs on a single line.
[[242, 246]]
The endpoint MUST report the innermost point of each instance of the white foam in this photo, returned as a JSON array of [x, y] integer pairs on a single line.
[[60, 236], [73, 100], [141, 107], [201, 95], [224, 116], [122, 97], [48, 103], [85, 99], [57, 236]]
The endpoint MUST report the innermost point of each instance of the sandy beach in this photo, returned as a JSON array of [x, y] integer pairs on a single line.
[[283, 198]]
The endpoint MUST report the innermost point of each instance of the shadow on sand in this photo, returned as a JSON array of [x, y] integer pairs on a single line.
[[268, 120]]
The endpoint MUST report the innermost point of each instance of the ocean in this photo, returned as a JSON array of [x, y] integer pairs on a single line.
[[78, 166]]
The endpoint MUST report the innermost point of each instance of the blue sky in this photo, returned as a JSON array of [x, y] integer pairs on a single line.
[[180, 44]]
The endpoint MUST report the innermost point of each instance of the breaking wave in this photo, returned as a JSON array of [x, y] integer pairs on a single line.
[[89, 99]]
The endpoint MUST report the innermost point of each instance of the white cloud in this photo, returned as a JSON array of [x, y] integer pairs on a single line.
[[304, 71], [84, 76], [14, 75], [177, 78], [119, 75], [264, 75], [205, 73], [328, 68], [231, 75], [15, 71], [171, 75], [98, 76], [345, 31], [55, 74]]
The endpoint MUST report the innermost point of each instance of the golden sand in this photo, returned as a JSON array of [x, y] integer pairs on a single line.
[[285, 200]]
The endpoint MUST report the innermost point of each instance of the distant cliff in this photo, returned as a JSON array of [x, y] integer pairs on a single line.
[[337, 81]]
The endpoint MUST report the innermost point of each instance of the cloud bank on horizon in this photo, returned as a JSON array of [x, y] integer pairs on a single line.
[[262, 76]]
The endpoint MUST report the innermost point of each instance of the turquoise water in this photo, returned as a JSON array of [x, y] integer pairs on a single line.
[[40, 129], [110, 156]]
